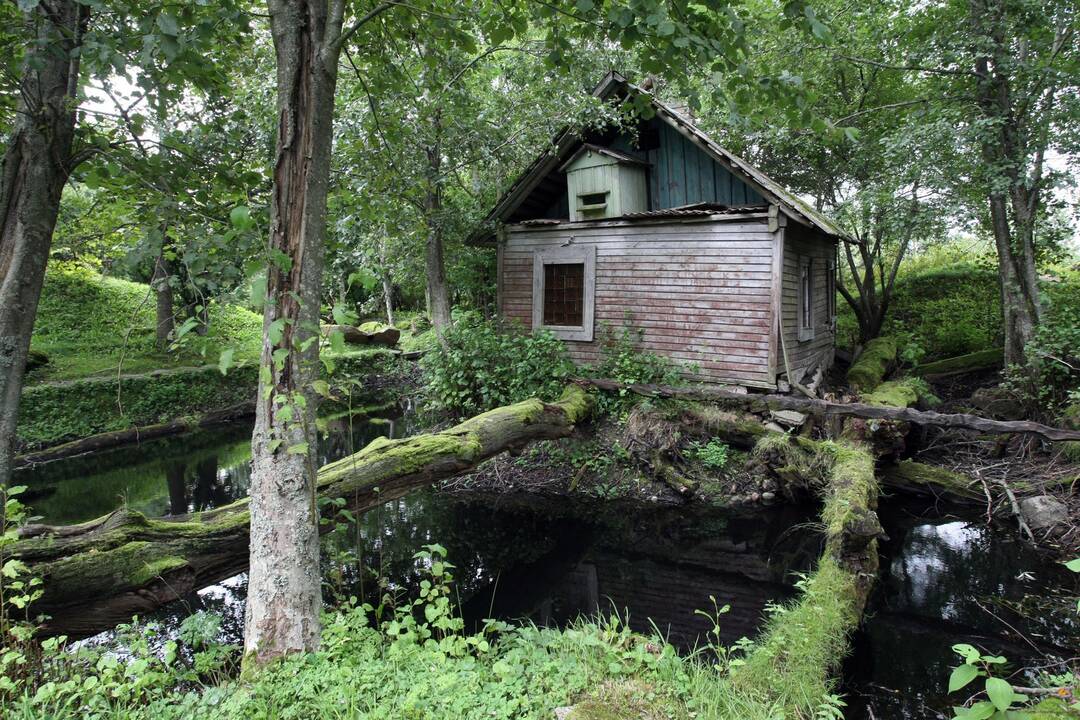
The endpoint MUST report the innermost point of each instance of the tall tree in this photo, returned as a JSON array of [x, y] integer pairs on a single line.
[[1023, 74], [284, 587], [62, 42], [36, 164]]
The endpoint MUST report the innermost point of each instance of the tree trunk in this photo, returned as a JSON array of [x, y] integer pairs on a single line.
[[387, 284], [1005, 155], [99, 573], [284, 586], [388, 297], [438, 294], [36, 164], [164, 295]]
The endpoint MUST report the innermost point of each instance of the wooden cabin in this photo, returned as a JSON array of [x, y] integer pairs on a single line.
[[664, 230]]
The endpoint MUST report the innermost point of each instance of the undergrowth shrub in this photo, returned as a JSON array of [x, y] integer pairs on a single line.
[[624, 360], [1051, 378], [485, 364], [938, 312]]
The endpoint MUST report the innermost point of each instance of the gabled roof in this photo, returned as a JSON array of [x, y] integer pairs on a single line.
[[601, 150], [568, 143]]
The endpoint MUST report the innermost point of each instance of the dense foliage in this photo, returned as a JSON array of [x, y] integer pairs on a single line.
[[483, 364], [88, 322], [939, 312]]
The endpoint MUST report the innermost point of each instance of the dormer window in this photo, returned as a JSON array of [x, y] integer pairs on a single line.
[[604, 183]]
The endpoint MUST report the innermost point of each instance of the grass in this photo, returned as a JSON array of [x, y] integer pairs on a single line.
[[87, 322]]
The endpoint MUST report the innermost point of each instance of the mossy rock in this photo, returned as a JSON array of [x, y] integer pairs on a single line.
[[971, 362], [380, 333], [869, 370]]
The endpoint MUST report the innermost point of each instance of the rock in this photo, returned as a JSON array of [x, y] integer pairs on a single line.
[[768, 497], [790, 418], [1044, 512], [562, 713], [367, 334], [998, 402], [773, 427], [754, 497], [380, 334]]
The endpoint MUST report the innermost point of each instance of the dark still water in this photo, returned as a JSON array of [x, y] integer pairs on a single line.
[[944, 578], [552, 561], [175, 475], [948, 579]]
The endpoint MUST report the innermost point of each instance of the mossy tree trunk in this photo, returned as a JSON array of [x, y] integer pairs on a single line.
[[284, 594], [101, 572], [35, 166]]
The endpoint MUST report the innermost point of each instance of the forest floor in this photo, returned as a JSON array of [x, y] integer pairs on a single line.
[[596, 462]]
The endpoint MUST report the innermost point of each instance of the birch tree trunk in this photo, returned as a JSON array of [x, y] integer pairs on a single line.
[[36, 163]]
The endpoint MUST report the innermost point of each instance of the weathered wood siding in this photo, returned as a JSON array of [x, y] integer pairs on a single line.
[[800, 241], [681, 173], [700, 291]]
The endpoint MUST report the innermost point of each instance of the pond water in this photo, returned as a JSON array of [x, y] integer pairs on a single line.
[[945, 578]]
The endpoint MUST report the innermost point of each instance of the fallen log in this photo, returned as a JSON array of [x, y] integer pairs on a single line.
[[822, 408], [116, 438], [102, 572]]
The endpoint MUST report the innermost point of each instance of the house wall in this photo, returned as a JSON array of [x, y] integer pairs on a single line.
[[801, 241], [681, 173], [701, 291]]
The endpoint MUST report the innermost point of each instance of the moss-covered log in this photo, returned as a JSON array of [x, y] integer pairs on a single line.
[[101, 572], [824, 408], [873, 362], [105, 441], [791, 666], [929, 480], [971, 362]]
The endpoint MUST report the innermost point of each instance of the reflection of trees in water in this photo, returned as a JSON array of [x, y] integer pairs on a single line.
[[934, 575], [553, 560], [943, 571]]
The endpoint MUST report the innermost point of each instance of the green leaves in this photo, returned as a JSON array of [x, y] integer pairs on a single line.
[[1073, 565], [225, 360], [961, 676], [1000, 693]]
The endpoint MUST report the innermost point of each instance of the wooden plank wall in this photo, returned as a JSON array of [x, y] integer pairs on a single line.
[[699, 290], [801, 241], [681, 173]]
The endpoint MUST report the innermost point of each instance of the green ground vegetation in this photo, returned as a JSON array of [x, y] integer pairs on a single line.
[[87, 323]]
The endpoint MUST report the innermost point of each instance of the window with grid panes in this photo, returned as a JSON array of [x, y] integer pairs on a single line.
[[564, 294]]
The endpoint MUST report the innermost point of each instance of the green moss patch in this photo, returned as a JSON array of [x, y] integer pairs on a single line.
[[980, 360], [902, 393], [870, 368]]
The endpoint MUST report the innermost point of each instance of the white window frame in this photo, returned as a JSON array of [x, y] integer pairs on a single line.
[[806, 298], [586, 255]]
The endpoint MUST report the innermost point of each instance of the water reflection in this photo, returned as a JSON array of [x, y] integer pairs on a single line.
[[948, 580], [524, 557], [172, 476]]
